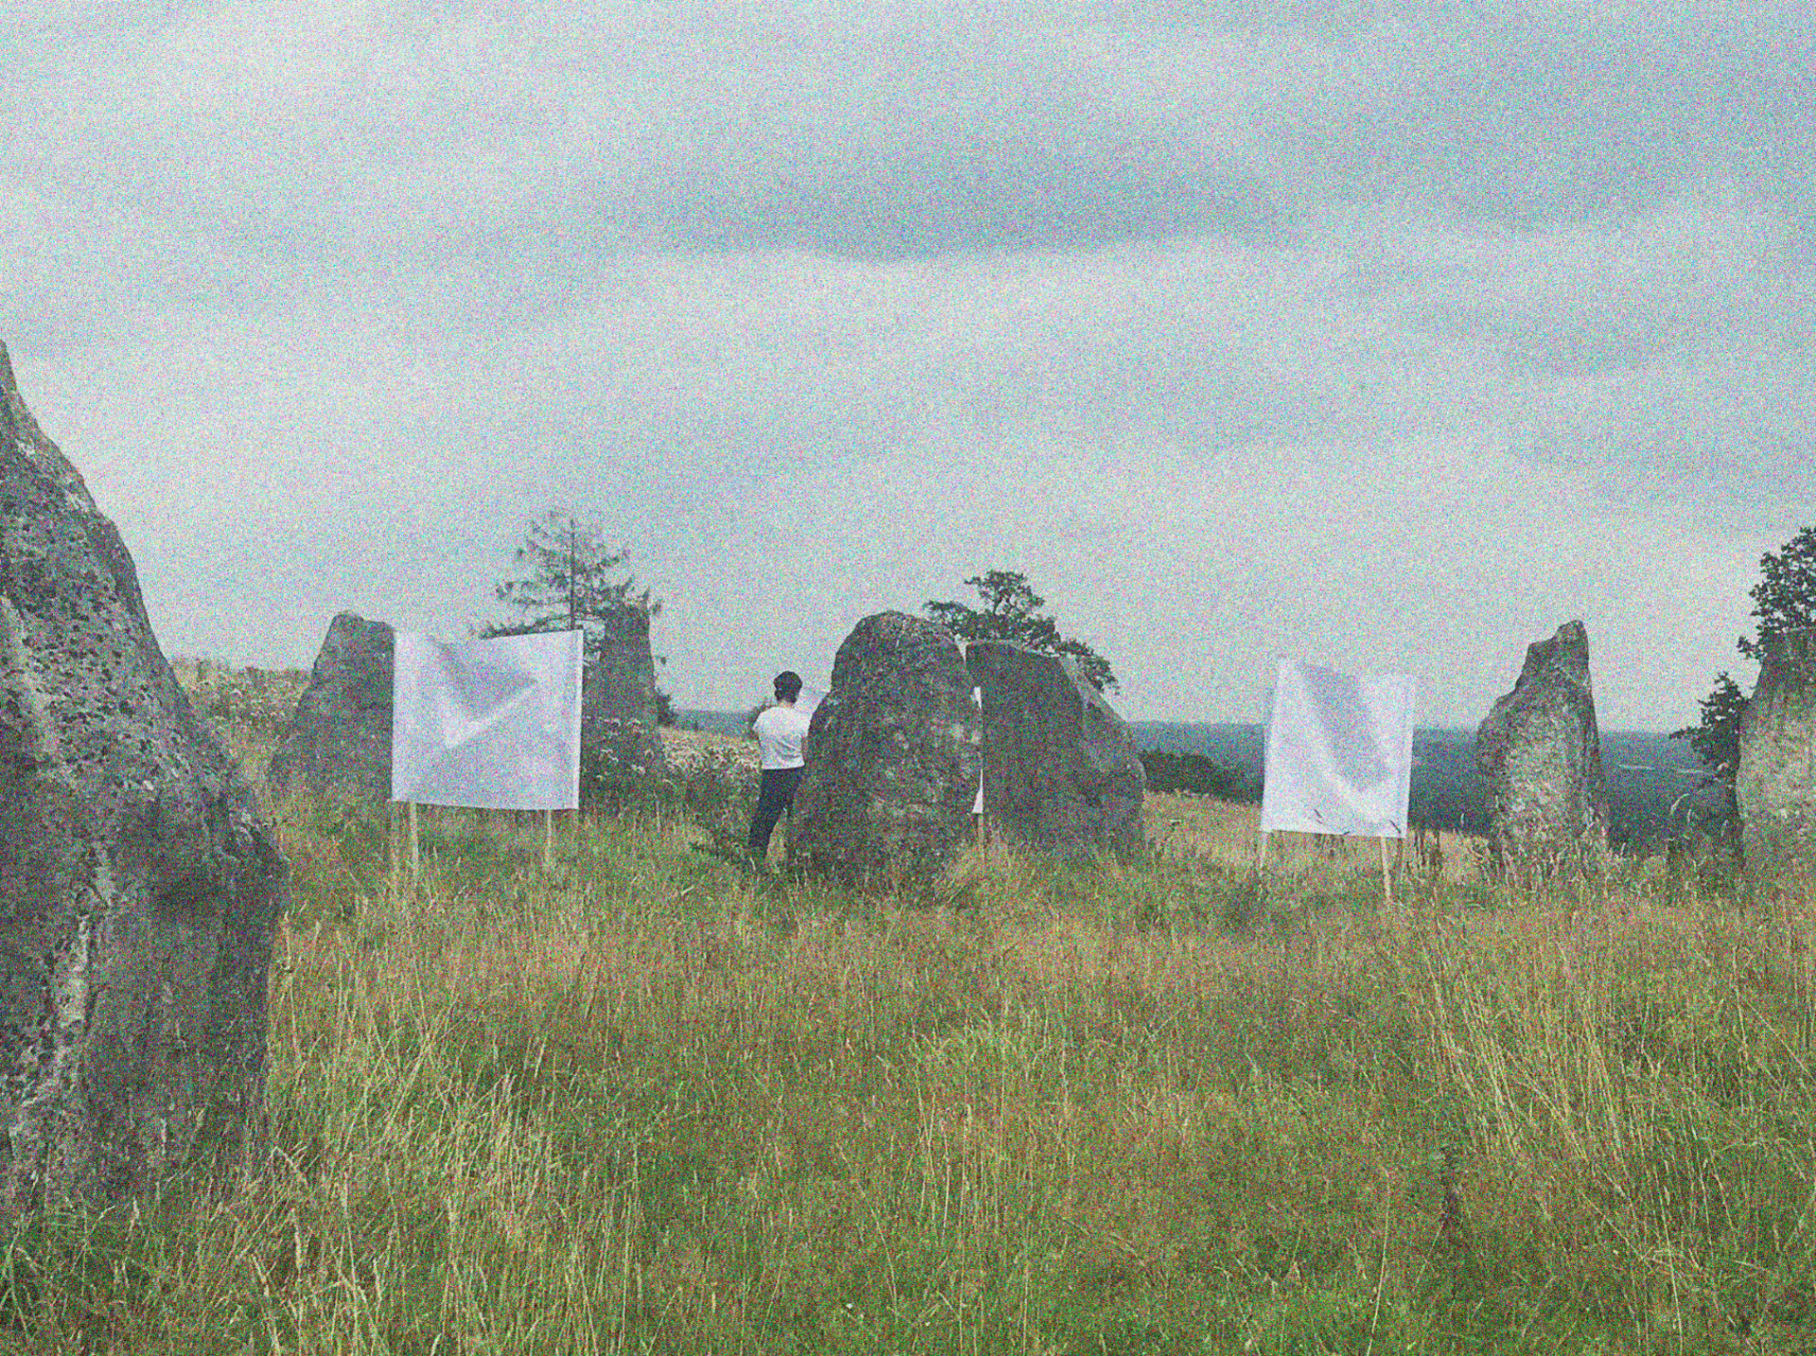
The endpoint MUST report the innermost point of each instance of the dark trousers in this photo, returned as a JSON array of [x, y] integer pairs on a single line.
[[774, 799]]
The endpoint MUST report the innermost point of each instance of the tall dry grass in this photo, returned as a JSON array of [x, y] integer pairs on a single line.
[[648, 1102]]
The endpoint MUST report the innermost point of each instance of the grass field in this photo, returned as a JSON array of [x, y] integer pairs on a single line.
[[646, 1101]]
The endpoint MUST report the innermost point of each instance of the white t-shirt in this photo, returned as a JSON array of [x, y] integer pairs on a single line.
[[779, 733]]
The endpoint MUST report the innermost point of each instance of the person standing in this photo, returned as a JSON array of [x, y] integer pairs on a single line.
[[781, 732]]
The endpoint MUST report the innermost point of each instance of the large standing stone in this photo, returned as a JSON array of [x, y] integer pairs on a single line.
[[1541, 752], [892, 756], [338, 742], [618, 696], [1775, 781], [139, 886], [1061, 771]]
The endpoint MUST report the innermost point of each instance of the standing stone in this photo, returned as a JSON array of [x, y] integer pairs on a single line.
[[892, 756], [618, 696], [338, 742], [1775, 782], [139, 886], [1541, 752], [1061, 771]]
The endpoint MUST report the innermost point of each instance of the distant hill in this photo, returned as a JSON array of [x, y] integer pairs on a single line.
[[735, 723], [1648, 773]]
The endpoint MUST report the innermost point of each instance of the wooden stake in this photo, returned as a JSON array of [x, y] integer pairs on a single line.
[[1261, 853], [548, 840], [1387, 877], [415, 847]]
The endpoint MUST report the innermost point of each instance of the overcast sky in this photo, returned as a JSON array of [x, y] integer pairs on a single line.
[[1386, 336]]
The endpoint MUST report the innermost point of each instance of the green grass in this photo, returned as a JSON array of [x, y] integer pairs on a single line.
[[648, 1102]]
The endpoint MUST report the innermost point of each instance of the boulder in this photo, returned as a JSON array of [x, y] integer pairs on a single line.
[[1061, 771], [620, 682], [140, 888], [892, 756], [1775, 780], [618, 698], [338, 741], [1541, 753]]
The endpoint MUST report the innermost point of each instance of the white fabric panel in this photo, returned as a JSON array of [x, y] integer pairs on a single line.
[[977, 805], [1339, 753], [492, 724]]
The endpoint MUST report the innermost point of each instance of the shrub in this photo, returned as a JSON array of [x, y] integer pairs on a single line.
[[1198, 775]]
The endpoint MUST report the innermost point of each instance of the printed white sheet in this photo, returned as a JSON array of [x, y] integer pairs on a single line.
[[492, 724], [1339, 753]]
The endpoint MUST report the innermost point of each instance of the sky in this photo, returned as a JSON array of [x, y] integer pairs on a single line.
[[1389, 337]]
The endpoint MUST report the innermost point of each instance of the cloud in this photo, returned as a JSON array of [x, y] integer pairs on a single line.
[[1523, 122], [986, 195], [1241, 329], [1661, 351], [1204, 455]]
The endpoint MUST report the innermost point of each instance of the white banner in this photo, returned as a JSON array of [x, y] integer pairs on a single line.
[[977, 805], [1339, 753], [492, 724]]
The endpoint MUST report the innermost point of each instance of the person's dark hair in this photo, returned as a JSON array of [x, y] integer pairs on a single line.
[[788, 685]]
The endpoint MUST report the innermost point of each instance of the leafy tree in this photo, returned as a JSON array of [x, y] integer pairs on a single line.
[[1011, 611], [1716, 737], [569, 578], [1784, 600]]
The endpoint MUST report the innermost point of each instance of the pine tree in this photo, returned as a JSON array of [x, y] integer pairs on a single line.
[[569, 578]]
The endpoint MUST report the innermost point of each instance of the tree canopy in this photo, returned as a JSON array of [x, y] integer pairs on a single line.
[[1784, 600], [1715, 737], [1012, 611], [567, 577], [570, 578]]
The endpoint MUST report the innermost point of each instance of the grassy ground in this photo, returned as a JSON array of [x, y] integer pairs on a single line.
[[648, 1102]]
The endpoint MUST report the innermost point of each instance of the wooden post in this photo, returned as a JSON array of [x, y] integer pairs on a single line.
[[415, 847], [548, 840], [1387, 878]]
